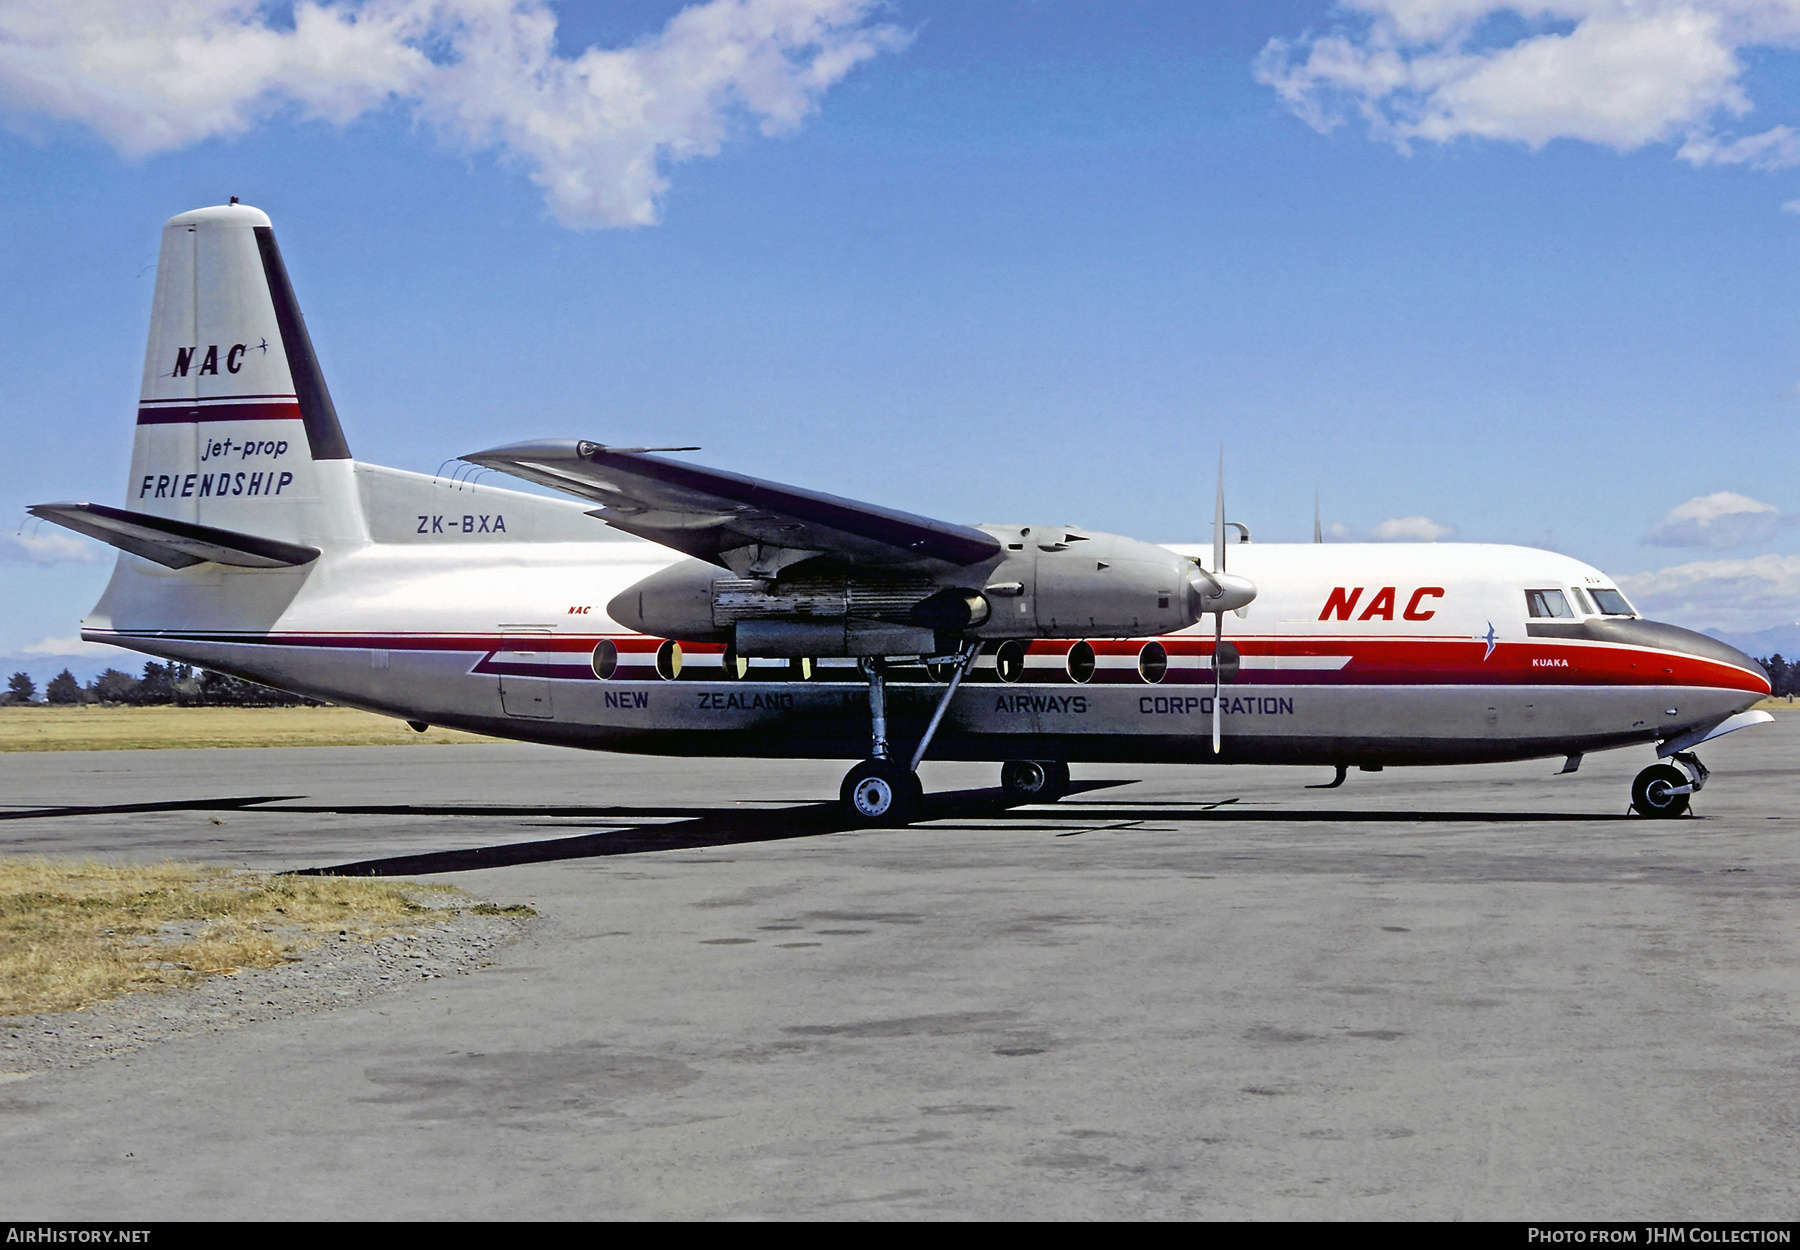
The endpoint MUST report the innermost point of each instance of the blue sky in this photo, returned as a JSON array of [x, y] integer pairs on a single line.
[[1020, 261]]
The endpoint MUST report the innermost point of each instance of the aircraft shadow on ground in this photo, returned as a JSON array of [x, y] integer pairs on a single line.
[[699, 828], [717, 828]]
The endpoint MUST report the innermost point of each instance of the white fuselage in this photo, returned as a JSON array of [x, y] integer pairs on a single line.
[[482, 609]]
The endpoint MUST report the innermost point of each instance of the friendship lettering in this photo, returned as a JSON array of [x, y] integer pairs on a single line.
[[210, 485]]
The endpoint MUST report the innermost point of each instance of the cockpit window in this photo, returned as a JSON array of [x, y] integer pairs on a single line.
[[1612, 603], [1582, 602], [1546, 603]]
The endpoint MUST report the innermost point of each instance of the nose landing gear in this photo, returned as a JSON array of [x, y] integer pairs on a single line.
[[1663, 790]]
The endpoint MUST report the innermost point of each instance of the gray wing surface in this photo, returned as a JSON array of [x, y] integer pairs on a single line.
[[737, 522]]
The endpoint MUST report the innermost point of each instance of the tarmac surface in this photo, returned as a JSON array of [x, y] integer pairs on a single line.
[[1452, 993]]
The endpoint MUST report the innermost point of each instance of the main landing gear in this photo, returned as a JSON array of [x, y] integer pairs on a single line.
[[881, 790], [1663, 790]]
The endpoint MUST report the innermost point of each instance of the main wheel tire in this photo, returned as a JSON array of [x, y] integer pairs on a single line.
[[1652, 793], [1034, 781], [881, 792]]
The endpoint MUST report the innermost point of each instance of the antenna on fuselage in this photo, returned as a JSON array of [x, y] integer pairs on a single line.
[[1318, 529]]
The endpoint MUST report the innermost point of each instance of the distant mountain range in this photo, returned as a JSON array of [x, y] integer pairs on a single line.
[[1782, 639]]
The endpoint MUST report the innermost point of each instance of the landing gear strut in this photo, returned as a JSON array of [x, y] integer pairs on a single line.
[[881, 790], [1034, 781], [1663, 790]]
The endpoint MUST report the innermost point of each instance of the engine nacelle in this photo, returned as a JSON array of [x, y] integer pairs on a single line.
[[1049, 582]]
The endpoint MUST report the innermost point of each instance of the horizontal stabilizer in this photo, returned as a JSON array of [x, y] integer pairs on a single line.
[[175, 544]]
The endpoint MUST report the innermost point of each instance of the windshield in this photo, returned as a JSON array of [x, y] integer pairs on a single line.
[[1546, 603], [1612, 603]]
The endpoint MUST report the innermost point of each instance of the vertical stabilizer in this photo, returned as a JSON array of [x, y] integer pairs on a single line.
[[235, 426]]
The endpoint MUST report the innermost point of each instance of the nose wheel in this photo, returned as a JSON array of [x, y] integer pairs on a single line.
[[1663, 790], [1034, 781]]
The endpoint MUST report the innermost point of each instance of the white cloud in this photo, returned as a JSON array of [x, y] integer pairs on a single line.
[[596, 131], [1736, 596], [1791, 206], [48, 546], [1409, 529], [1717, 521], [1620, 73], [72, 645]]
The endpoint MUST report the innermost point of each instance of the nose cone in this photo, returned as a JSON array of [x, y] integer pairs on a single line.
[[1740, 672]]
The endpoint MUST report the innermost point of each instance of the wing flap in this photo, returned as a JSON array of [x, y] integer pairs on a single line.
[[708, 512], [171, 543]]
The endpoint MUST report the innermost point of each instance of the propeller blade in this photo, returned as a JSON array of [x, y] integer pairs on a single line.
[[1218, 685], [1219, 519]]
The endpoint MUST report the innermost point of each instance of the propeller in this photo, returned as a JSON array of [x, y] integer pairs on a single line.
[[1218, 617], [1224, 592]]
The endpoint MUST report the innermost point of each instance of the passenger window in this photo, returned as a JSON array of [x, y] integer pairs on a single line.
[[1582, 602], [1612, 603], [1546, 603]]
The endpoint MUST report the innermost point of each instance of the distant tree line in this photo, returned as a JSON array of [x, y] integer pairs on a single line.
[[1784, 675], [179, 685]]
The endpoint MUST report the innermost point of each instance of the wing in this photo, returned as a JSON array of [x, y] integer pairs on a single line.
[[753, 527]]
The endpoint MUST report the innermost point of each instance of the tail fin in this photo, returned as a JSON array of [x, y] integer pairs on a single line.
[[235, 427]]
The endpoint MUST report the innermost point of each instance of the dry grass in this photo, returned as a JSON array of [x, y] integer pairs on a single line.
[[79, 932], [94, 728], [1777, 705]]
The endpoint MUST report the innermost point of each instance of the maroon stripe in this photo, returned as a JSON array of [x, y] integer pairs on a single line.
[[279, 410]]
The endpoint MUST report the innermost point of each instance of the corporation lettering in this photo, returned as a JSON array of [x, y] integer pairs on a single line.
[[627, 698], [1202, 705]]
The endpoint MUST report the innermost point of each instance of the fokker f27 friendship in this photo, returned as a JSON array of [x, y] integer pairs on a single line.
[[678, 610]]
